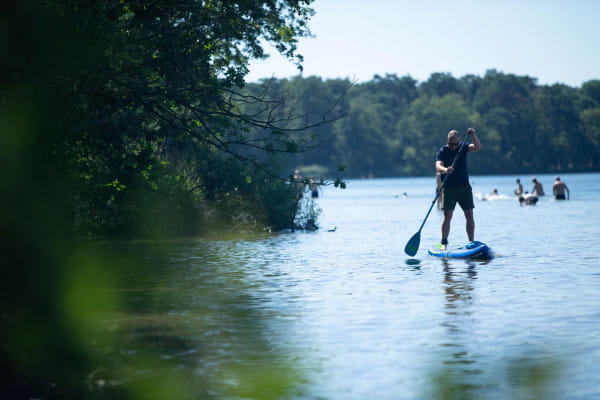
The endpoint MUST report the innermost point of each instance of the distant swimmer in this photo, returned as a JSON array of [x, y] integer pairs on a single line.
[[538, 189], [494, 195], [519, 190], [559, 188], [528, 199]]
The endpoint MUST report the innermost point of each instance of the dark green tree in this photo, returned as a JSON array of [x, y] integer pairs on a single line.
[[425, 128], [590, 94], [311, 101], [367, 139], [505, 103], [558, 141], [154, 95], [440, 84]]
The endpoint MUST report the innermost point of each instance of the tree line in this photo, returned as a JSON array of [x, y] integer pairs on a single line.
[[393, 125]]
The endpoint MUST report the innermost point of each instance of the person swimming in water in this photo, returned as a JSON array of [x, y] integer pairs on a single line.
[[528, 199]]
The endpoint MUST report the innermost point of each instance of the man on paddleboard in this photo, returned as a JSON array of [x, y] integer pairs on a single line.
[[457, 188]]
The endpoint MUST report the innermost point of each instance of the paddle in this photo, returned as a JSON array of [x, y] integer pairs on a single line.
[[412, 246]]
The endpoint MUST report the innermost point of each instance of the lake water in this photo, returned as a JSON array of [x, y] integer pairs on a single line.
[[347, 315]]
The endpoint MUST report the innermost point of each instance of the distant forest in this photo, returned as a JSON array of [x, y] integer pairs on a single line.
[[391, 126]]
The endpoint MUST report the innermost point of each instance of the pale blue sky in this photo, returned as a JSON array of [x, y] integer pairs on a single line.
[[555, 41]]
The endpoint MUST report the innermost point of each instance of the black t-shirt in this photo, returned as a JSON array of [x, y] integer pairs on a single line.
[[460, 176]]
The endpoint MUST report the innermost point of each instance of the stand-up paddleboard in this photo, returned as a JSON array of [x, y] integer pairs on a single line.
[[472, 250]]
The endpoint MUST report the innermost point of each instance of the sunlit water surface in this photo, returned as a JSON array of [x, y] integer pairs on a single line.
[[347, 315]]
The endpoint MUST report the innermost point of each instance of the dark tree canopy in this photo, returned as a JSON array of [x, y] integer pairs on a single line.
[[147, 99]]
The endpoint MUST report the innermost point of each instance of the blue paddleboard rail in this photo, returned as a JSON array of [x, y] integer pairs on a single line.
[[472, 250]]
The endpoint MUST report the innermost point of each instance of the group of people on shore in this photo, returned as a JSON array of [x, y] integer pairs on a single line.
[[559, 189]]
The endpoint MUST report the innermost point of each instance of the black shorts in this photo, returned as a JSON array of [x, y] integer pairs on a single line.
[[461, 194], [560, 197]]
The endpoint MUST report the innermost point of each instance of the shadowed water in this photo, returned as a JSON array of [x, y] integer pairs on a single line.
[[346, 314]]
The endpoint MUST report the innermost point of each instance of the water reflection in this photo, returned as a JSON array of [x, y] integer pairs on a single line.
[[414, 262], [194, 316], [460, 367]]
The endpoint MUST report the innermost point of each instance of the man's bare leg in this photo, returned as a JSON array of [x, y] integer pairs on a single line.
[[470, 224], [446, 226]]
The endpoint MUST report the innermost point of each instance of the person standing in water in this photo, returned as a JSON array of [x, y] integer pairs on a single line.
[[538, 189], [559, 188], [298, 181], [519, 190], [457, 188]]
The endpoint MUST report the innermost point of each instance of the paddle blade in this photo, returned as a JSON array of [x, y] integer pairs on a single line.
[[413, 244]]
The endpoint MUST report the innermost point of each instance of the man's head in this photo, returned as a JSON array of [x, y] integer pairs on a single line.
[[558, 178], [453, 139]]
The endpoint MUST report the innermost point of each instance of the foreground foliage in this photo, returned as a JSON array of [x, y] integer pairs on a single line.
[[121, 118]]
